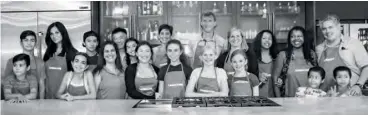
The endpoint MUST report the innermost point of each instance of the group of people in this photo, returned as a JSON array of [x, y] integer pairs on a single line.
[[125, 68]]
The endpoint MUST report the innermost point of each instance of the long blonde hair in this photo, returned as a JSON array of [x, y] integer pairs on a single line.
[[244, 44]]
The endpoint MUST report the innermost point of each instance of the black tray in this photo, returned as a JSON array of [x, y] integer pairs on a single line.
[[188, 102]]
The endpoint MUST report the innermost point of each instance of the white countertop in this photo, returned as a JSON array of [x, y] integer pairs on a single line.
[[289, 106]]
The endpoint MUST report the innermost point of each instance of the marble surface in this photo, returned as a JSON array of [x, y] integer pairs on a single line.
[[289, 106]]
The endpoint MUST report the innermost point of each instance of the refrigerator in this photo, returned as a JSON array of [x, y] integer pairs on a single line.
[[36, 16]]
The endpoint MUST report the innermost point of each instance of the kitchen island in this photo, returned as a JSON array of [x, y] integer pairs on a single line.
[[289, 106]]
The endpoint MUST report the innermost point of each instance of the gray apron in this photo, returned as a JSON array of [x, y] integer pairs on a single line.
[[76, 90], [146, 86], [240, 86], [329, 60], [207, 85], [55, 70], [174, 84], [112, 86], [266, 89], [160, 57], [227, 65], [297, 76]]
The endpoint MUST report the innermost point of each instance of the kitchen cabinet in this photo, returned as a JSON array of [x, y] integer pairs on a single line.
[[143, 18]]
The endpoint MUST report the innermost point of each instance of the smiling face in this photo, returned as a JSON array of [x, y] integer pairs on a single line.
[[91, 43], [144, 54], [315, 79], [297, 38], [330, 30], [239, 62], [109, 53], [208, 57], [164, 36], [266, 40], [174, 52], [20, 68], [131, 45], [29, 43], [55, 35], [119, 38], [79, 63], [208, 23], [343, 78], [235, 39]]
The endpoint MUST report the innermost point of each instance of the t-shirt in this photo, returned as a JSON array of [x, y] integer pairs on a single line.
[[187, 71], [17, 86], [309, 92], [92, 59]]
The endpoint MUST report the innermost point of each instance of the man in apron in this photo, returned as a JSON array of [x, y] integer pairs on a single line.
[[208, 37], [339, 50], [28, 41]]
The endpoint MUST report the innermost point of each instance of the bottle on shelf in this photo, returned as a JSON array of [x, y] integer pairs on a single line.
[[215, 9], [264, 11], [250, 8], [107, 9], [289, 8], [154, 8], [161, 8], [242, 9], [191, 7], [148, 12], [185, 7], [155, 30], [144, 8], [225, 8], [279, 7], [257, 7]]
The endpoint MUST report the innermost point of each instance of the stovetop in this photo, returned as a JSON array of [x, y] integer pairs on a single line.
[[248, 101]]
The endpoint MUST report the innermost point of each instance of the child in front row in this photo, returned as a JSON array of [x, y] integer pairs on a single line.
[[316, 75], [342, 75], [20, 86]]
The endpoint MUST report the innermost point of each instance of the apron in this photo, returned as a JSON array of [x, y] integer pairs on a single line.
[[227, 65], [160, 57], [55, 67], [174, 84], [207, 85], [76, 90], [266, 89], [146, 86], [297, 76], [112, 86], [199, 50], [329, 60], [240, 86]]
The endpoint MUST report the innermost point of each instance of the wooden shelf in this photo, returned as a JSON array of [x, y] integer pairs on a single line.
[[184, 15], [251, 14], [118, 17], [286, 14]]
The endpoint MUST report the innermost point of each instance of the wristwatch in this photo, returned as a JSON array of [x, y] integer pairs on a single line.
[[360, 85]]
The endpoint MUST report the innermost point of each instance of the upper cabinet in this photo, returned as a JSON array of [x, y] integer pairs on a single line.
[[143, 18]]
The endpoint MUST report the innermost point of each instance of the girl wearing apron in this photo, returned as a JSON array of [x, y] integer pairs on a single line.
[[91, 42], [236, 41], [173, 77], [28, 41], [109, 75], [301, 57], [79, 83], [58, 57], [159, 53], [129, 47], [208, 38], [141, 78], [241, 83], [207, 81], [265, 48]]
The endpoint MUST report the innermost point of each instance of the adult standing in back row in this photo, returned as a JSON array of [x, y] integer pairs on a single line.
[[339, 50], [208, 37]]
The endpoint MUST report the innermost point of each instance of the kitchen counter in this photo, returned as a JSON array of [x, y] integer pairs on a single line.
[[289, 106]]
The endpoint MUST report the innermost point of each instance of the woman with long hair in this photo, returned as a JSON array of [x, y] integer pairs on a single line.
[[297, 58], [265, 48], [109, 74], [58, 57], [130, 55]]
